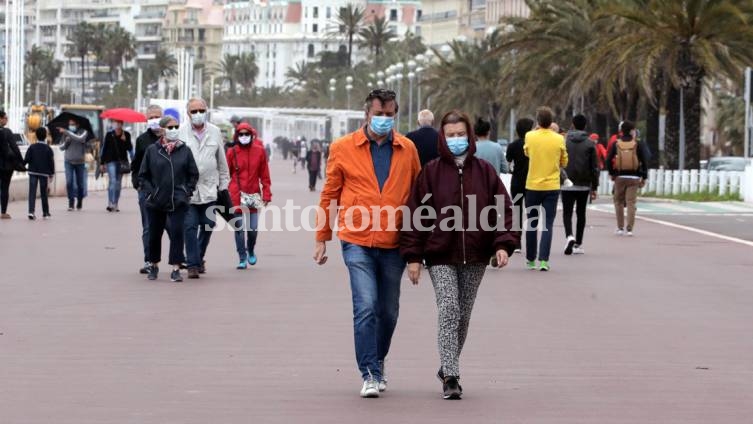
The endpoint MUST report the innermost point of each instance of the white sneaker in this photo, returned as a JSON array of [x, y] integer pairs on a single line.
[[370, 389], [383, 381], [629, 234], [577, 250], [619, 232], [518, 251], [569, 245]]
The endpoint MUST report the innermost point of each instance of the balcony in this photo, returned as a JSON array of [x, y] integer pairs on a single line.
[[149, 16]]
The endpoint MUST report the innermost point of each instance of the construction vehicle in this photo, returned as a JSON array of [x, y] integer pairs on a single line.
[[37, 115]]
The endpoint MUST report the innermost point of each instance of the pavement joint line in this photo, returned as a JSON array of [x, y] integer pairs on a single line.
[[691, 229]]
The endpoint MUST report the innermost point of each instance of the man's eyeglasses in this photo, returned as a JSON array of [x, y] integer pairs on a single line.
[[172, 127], [194, 112]]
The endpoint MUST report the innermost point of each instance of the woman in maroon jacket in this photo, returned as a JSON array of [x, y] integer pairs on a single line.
[[249, 173], [471, 223]]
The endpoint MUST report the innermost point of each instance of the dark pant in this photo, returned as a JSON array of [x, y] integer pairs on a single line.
[[158, 220], [375, 276], [41, 181], [538, 202], [199, 225], [144, 224], [313, 176], [75, 181], [518, 203], [246, 225], [5, 177], [579, 199]]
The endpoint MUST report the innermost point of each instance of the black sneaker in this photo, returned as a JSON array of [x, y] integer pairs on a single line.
[[175, 276], [145, 269], [79, 204], [70, 205], [451, 388], [109, 209], [31, 216], [152, 272]]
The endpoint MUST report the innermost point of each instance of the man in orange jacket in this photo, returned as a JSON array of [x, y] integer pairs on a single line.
[[369, 177]]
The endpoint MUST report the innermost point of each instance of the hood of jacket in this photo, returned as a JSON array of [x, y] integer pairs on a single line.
[[244, 126], [444, 150], [577, 136]]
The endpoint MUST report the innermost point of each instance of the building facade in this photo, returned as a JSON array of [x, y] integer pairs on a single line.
[[282, 33], [445, 20]]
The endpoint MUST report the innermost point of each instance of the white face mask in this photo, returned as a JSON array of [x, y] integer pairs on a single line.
[[198, 118], [245, 139], [153, 124], [172, 135]]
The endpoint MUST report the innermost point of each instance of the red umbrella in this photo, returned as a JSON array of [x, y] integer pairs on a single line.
[[123, 114]]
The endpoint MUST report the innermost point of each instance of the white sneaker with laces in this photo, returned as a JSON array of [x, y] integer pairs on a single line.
[[370, 389], [569, 245], [577, 250], [629, 234]]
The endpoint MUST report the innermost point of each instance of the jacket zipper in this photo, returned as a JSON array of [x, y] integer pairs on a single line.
[[172, 178], [462, 209]]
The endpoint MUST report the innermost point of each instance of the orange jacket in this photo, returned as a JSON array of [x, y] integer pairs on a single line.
[[352, 185]]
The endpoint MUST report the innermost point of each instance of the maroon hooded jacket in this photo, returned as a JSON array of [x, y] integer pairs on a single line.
[[448, 184]]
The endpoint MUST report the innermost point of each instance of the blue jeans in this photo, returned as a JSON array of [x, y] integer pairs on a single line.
[[198, 231], [115, 182], [546, 201], [144, 224], [246, 225], [375, 276], [75, 181]]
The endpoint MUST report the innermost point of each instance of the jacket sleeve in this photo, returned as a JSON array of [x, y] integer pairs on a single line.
[[138, 158], [266, 181], [610, 159], [231, 168], [51, 159], [330, 194], [412, 239], [593, 163], [506, 238], [78, 138], [27, 156], [129, 145], [145, 175], [222, 167], [563, 154], [193, 172]]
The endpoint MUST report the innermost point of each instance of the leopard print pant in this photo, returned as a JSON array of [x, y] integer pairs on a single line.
[[455, 287]]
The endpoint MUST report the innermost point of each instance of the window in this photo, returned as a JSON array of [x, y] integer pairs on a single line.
[[201, 34], [316, 12], [305, 12], [393, 15], [311, 50], [315, 28], [419, 13], [329, 12]]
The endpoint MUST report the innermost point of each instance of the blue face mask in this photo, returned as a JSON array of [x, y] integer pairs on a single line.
[[457, 145], [381, 125], [72, 128]]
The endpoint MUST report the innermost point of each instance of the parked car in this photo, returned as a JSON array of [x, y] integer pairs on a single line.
[[728, 163]]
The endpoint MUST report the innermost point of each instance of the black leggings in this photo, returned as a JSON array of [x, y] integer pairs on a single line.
[[579, 199], [313, 176], [5, 177]]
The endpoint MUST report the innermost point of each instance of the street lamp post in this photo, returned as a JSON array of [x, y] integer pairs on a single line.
[[332, 88], [411, 77], [399, 76], [348, 87], [380, 79]]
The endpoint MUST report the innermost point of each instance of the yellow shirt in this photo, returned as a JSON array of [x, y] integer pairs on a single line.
[[547, 153]]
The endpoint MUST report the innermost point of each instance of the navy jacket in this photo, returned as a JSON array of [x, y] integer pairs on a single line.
[[40, 159], [426, 140], [146, 139]]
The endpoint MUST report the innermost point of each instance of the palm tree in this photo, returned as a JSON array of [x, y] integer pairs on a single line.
[[99, 45], [680, 44], [81, 39], [35, 59], [50, 71], [228, 68], [376, 36], [164, 65], [301, 74], [348, 23], [120, 47], [246, 71]]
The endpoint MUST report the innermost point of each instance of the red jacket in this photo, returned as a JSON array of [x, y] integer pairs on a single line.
[[248, 166]]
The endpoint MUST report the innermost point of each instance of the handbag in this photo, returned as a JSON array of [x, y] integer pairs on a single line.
[[124, 167], [251, 201]]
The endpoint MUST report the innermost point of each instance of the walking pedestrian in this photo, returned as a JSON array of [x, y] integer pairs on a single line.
[[249, 175], [314, 164], [457, 257], [40, 161], [75, 144], [295, 150], [151, 136], [583, 170], [168, 176], [372, 167], [116, 151], [601, 151], [547, 153], [519, 161], [10, 161], [425, 138], [205, 141], [488, 150], [627, 165]]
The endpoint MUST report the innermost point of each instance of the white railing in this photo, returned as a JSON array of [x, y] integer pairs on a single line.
[[667, 182]]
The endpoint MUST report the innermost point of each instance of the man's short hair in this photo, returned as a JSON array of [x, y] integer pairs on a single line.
[[41, 134], [154, 108], [482, 127], [195, 99], [384, 96], [166, 120], [425, 118], [580, 122], [523, 126], [544, 116]]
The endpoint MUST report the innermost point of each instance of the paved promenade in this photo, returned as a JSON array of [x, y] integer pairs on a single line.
[[653, 329]]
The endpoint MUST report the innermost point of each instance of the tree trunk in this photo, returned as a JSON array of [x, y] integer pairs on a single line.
[[350, 48], [652, 133], [494, 109], [601, 124], [672, 137], [693, 125]]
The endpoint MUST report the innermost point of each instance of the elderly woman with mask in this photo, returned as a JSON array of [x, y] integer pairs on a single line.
[[168, 177], [249, 174]]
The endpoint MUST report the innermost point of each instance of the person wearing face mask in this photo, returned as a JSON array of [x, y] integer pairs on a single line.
[[74, 143], [372, 168], [205, 141], [457, 243], [168, 175], [249, 174], [116, 150], [143, 141]]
